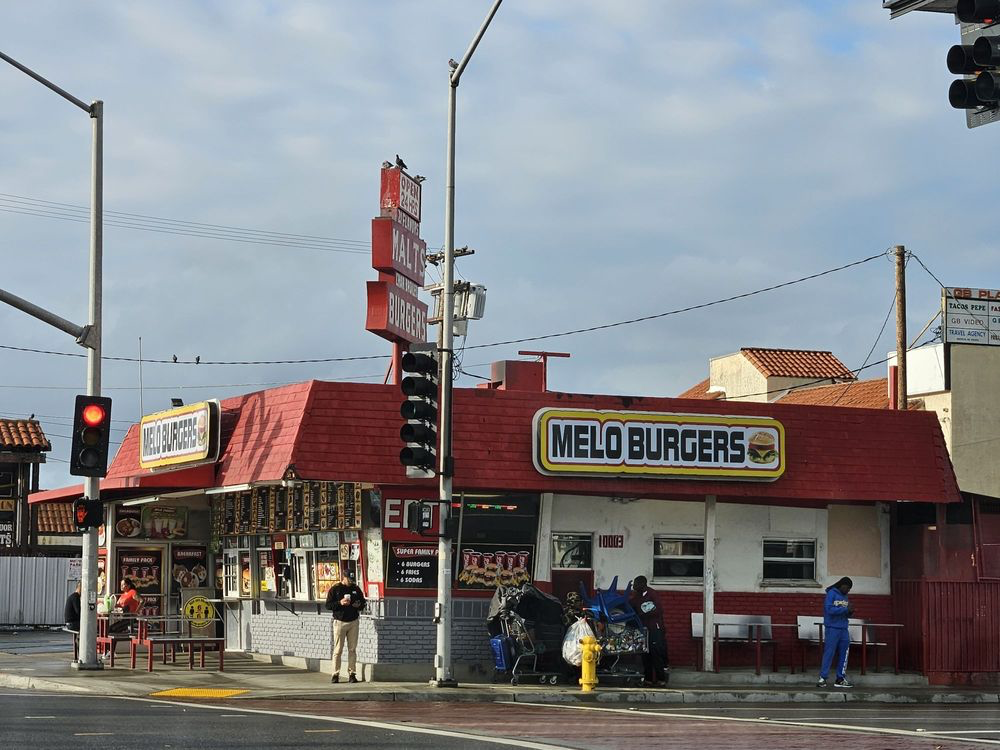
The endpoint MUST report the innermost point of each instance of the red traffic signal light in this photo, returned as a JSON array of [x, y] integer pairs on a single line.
[[93, 415], [91, 436]]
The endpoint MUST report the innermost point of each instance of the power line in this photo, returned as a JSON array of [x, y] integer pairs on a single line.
[[320, 360], [878, 338]]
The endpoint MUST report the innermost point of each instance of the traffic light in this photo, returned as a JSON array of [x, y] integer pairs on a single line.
[[419, 517], [420, 410], [87, 514], [91, 434], [977, 60]]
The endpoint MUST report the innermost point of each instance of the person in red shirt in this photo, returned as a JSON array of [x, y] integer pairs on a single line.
[[654, 662], [128, 603]]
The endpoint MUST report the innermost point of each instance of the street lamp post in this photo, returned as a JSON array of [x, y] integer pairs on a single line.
[[91, 339], [443, 672]]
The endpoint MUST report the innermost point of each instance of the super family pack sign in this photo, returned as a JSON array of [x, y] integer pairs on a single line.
[[652, 444]]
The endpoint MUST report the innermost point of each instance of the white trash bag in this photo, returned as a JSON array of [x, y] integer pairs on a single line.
[[572, 651]]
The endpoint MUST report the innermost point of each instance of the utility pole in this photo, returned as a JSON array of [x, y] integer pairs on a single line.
[[900, 252], [443, 672], [88, 336]]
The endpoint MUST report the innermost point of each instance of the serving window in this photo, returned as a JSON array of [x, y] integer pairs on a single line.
[[315, 564]]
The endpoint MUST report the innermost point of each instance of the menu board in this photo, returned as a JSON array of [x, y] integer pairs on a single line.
[[229, 513], [128, 522], [330, 508], [144, 568], [218, 516], [262, 509], [272, 510], [485, 566], [315, 499], [296, 502], [188, 568], [164, 521], [244, 515], [412, 566]]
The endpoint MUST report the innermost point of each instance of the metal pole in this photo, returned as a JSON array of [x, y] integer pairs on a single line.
[[88, 590], [708, 588], [443, 673], [900, 326]]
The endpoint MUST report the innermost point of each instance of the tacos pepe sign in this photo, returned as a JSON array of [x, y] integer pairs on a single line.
[[188, 434], [627, 443]]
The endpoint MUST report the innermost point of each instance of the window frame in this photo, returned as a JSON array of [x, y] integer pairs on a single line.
[[678, 538], [765, 580], [580, 535]]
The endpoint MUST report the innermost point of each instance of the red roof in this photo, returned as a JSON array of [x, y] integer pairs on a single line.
[[796, 363], [22, 435], [350, 432], [865, 394], [700, 390]]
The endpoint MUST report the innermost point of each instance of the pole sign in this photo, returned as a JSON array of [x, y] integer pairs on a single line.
[[395, 311], [971, 316], [588, 442]]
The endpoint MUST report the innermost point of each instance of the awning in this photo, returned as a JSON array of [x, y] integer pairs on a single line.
[[122, 488]]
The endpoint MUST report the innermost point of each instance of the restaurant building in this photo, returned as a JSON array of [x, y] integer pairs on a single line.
[[265, 498]]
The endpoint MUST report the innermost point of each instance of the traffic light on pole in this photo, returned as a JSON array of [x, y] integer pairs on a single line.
[[977, 59], [420, 410], [87, 514], [91, 436]]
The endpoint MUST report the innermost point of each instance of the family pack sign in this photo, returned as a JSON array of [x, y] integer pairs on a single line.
[[589, 442]]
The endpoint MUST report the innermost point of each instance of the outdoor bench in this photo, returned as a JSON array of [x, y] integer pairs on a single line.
[[169, 633], [749, 630], [862, 632]]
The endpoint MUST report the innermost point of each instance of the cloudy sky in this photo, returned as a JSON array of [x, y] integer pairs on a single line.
[[614, 161]]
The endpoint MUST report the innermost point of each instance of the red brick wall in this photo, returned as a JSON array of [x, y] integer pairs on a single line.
[[677, 607]]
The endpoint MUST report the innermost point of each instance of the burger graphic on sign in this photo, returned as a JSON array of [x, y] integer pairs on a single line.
[[762, 449]]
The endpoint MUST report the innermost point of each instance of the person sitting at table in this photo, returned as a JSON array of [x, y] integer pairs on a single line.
[[128, 604]]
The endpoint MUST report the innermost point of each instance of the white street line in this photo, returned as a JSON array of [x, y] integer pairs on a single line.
[[746, 720], [92, 734], [39, 717], [232, 716], [319, 731], [529, 745], [964, 731]]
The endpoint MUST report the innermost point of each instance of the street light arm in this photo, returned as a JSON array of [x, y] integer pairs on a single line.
[[45, 82], [457, 72]]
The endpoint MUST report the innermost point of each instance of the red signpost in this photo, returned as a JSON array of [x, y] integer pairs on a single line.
[[395, 311]]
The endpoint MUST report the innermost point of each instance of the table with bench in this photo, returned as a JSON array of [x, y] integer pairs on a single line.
[[171, 631], [108, 638], [863, 633], [750, 630]]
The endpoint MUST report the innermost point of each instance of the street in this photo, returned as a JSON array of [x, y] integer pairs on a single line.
[[68, 721]]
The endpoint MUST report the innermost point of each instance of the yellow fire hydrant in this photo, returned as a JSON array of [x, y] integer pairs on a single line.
[[588, 667]]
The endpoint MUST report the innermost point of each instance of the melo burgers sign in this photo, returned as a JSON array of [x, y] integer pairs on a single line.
[[589, 442], [185, 435]]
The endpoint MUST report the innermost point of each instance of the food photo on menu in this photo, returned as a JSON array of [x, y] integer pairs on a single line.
[[163, 522]]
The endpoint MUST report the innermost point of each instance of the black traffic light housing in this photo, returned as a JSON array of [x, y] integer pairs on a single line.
[[420, 519], [420, 410], [91, 436], [977, 60], [87, 514]]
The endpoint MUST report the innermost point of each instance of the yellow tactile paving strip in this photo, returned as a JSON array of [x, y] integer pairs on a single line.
[[197, 693]]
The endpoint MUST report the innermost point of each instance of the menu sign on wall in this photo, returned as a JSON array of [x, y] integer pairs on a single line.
[[588, 442], [128, 521], [164, 522], [145, 569], [189, 568], [486, 566], [411, 566]]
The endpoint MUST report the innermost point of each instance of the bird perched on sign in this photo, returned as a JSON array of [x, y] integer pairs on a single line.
[[419, 178], [399, 162], [387, 165]]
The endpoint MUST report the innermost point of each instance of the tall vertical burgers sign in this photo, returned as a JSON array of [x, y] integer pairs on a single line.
[[400, 256]]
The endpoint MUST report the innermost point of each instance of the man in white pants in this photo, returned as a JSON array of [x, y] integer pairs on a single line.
[[345, 601]]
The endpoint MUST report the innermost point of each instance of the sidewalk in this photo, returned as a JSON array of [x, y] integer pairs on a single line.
[[45, 665]]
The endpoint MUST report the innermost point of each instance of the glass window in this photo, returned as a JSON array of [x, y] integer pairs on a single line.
[[790, 559], [326, 570], [572, 550], [231, 575], [678, 557]]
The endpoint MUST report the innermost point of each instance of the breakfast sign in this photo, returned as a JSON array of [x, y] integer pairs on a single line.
[[589, 442]]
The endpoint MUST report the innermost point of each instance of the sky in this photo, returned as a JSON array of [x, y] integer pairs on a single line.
[[614, 161]]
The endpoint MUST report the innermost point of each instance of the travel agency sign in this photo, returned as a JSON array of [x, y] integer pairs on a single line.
[[589, 442], [400, 256]]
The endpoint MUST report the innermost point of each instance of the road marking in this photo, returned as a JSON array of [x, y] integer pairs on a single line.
[[527, 744], [963, 731], [318, 731], [92, 734], [232, 716], [747, 720], [199, 693], [39, 717]]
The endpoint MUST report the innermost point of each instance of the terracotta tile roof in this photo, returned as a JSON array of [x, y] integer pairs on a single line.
[[700, 390], [22, 435], [861, 394], [350, 431], [796, 363], [55, 518]]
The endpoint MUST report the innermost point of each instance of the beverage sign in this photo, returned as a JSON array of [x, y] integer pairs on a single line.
[[185, 435], [393, 314], [589, 442], [486, 566], [971, 316]]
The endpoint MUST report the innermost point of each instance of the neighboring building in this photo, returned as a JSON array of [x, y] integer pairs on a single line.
[[22, 450], [304, 481]]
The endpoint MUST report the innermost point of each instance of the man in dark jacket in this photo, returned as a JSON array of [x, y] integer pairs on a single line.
[[345, 601], [644, 603], [837, 611], [71, 613]]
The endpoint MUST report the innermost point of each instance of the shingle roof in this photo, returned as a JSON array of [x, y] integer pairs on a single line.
[[865, 394], [350, 432], [700, 390], [22, 435], [55, 518], [796, 363]]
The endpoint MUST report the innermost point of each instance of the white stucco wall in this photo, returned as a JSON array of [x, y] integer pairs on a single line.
[[740, 532], [736, 377]]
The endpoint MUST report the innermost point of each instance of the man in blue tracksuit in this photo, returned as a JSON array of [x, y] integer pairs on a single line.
[[836, 612]]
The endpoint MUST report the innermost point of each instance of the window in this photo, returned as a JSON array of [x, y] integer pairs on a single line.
[[231, 574], [790, 559], [572, 550], [298, 560], [678, 557]]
